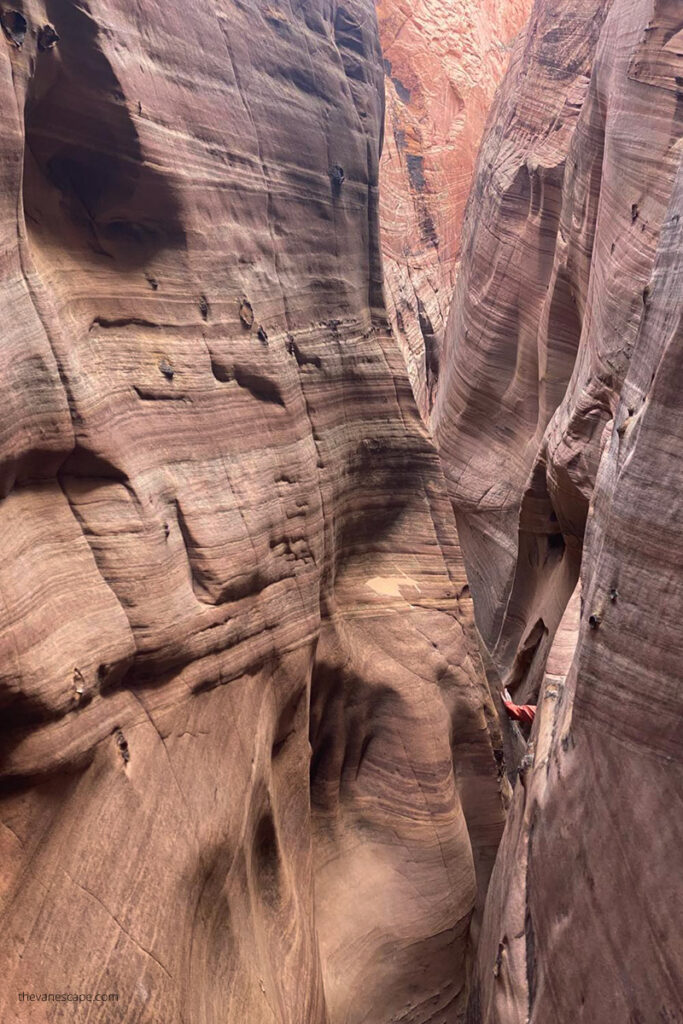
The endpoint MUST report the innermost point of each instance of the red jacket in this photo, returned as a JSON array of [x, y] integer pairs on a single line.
[[520, 712]]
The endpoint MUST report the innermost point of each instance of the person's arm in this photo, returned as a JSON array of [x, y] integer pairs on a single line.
[[519, 712]]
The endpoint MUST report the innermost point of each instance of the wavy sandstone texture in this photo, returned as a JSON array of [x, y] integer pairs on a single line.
[[559, 423], [443, 61], [250, 764]]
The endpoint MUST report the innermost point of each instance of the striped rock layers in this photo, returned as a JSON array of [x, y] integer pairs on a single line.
[[250, 766], [443, 60], [559, 424]]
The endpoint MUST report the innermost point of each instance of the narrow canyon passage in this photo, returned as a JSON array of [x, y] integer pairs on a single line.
[[559, 436], [305, 457]]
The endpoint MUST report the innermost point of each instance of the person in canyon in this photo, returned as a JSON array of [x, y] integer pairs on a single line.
[[518, 712]]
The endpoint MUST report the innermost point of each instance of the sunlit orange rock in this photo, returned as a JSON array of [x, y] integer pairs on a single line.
[[443, 62]]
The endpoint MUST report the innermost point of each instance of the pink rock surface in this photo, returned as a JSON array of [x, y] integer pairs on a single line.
[[248, 750], [443, 62]]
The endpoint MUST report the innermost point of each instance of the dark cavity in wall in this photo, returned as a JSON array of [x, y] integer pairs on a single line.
[[337, 178], [15, 26], [415, 166], [402, 91]]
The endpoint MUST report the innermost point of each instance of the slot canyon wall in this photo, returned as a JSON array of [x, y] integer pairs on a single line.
[[251, 765], [559, 422], [251, 769], [443, 61]]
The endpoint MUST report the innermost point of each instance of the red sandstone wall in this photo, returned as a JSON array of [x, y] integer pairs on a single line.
[[443, 62]]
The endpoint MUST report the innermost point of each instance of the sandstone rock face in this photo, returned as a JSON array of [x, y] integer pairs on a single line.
[[513, 335], [250, 763], [559, 423], [443, 61]]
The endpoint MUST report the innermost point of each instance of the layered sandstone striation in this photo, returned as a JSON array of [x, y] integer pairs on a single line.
[[443, 62], [250, 765], [559, 424]]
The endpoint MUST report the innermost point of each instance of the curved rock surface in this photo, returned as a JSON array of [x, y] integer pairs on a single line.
[[558, 420], [443, 62], [250, 764], [514, 331]]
